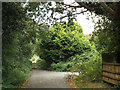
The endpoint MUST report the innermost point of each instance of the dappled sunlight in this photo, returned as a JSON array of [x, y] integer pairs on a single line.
[[35, 58]]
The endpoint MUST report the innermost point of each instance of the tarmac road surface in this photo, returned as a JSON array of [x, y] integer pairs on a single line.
[[48, 79]]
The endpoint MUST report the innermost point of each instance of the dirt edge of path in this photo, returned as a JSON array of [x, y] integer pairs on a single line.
[[27, 80]]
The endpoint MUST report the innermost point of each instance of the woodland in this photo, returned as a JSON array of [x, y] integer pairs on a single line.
[[28, 30]]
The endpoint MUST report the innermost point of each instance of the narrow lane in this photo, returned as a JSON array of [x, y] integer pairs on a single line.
[[48, 79]]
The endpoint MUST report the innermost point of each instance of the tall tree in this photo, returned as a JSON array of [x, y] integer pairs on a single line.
[[109, 11], [64, 40]]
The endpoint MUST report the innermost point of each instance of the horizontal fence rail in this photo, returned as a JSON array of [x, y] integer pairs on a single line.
[[111, 73]]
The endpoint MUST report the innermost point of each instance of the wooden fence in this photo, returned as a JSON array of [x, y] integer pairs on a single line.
[[111, 73], [110, 70]]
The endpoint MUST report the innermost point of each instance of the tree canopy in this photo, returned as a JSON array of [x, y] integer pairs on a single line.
[[63, 41], [108, 9]]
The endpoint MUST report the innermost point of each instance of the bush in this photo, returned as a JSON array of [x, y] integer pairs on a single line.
[[63, 42], [16, 48], [8, 85], [17, 77], [89, 65], [42, 63], [61, 66]]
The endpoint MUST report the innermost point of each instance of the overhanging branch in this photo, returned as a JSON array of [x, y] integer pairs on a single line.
[[72, 6], [71, 14], [85, 6], [109, 10]]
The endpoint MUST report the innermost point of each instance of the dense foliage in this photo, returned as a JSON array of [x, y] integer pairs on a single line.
[[108, 10], [42, 64], [89, 64], [64, 47], [16, 49], [107, 37], [64, 40]]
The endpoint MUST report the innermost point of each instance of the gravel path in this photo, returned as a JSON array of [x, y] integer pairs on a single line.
[[48, 79]]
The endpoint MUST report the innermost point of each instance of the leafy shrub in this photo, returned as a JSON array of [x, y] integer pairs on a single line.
[[61, 66], [16, 50], [42, 63], [16, 77], [26, 67], [89, 65], [8, 85]]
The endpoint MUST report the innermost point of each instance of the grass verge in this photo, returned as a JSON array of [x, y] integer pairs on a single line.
[[77, 83]]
